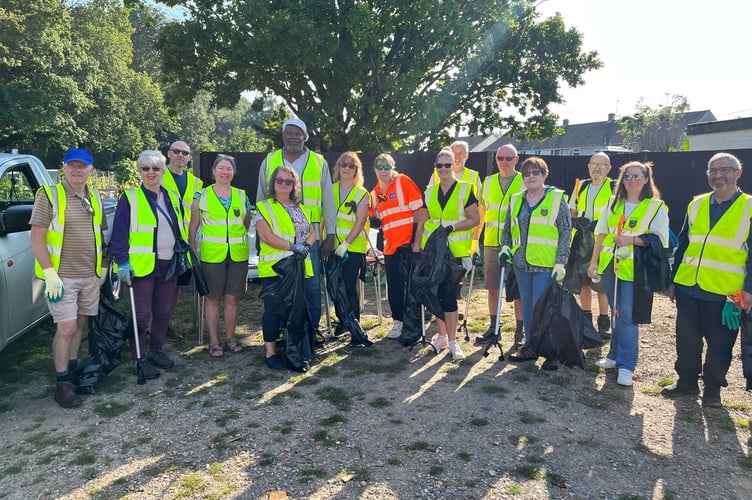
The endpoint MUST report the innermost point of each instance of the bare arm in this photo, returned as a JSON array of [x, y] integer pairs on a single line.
[[472, 220], [39, 246]]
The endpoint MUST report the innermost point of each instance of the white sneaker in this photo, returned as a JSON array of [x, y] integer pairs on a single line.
[[625, 377], [396, 330], [456, 350], [442, 342], [606, 363]]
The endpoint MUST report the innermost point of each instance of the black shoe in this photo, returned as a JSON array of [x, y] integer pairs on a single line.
[[161, 360], [150, 371], [486, 337], [550, 365], [604, 326], [172, 335], [711, 397], [318, 340], [678, 390], [66, 396], [364, 343]]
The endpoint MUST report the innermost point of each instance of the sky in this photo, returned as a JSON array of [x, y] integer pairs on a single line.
[[651, 48]]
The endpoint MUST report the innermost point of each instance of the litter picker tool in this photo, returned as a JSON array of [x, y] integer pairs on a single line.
[[139, 369], [377, 275], [328, 304], [463, 317], [619, 228], [495, 339]]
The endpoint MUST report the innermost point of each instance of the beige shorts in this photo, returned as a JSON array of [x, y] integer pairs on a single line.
[[226, 278], [80, 297], [491, 269]]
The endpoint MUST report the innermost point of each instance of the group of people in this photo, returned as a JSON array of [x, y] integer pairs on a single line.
[[303, 212]]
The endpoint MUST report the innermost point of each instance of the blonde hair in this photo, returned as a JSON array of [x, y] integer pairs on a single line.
[[358, 178], [386, 158]]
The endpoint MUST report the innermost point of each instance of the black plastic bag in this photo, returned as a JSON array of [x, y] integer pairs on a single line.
[[107, 335], [288, 295], [199, 280], [335, 287], [180, 262], [560, 330], [581, 252], [412, 329]]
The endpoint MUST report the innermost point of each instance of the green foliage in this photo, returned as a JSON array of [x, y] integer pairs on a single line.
[[659, 129], [386, 74]]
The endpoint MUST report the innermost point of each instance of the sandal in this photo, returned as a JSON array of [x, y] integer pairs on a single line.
[[233, 346], [216, 351], [526, 353]]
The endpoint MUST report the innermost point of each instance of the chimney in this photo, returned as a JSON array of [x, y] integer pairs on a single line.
[[611, 116], [565, 123]]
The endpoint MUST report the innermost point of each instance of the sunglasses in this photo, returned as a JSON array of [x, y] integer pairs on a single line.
[[528, 173], [153, 169], [86, 202], [349, 166], [505, 158], [443, 165], [286, 182], [637, 177], [180, 152], [383, 167]]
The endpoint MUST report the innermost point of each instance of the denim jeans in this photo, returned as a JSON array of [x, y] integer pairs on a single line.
[[532, 286], [271, 322], [313, 286], [625, 335]]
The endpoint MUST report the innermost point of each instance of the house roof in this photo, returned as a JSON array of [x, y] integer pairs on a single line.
[[715, 127]]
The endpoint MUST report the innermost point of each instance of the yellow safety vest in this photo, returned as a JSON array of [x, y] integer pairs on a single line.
[[638, 223], [281, 224], [496, 204], [56, 229], [468, 175], [452, 213], [310, 180], [346, 215], [223, 230], [193, 185], [600, 201], [542, 233], [715, 259]]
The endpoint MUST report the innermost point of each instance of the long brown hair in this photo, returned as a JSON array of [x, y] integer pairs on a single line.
[[296, 195], [648, 190]]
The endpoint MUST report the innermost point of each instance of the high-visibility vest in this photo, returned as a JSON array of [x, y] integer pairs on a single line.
[[55, 232], [600, 201], [452, 213], [223, 230], [638, 223], [396, 213], [468, 175], [313, 172], [346, 214], [542, 233], [496, 203], [142, 235], [716, 257], [193, 185], [281, 224]]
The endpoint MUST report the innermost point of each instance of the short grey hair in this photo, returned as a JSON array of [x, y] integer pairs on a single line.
[[725, 156], [153, 158]]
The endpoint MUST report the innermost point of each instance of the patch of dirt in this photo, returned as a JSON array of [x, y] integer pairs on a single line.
[[379, 422]]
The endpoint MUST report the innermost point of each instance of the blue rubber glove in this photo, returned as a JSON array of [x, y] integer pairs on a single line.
[[299, 249], [731, 316], [505, 255], [125, 273]]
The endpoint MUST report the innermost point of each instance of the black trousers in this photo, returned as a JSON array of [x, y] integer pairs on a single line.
[[396, 285], [747, 345], [697, 320]]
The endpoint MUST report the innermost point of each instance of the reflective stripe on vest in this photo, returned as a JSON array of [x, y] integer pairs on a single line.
[[142, 253], [599, 203], [468, 175], [310, 180], [281, 224], [542, 232], [716, 257], [192, 186], [56, 230], [223, 230], [453, 213], [636, 224], [347, 215], [496, 204]]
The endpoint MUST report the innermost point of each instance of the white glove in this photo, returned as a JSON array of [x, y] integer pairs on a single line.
[[53, 285], [559, 272], [467, 264], [622, 253], [342, 249]]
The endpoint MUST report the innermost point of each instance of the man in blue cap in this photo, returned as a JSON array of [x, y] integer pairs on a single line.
[[67, 225]]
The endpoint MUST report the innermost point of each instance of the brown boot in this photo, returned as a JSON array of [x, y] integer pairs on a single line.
[[65, 395]]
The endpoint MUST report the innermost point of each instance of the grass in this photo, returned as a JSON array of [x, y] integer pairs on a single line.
[[464, 456], [435, 470], [417, 446], [527, 417], [530, 472], [85, 458], [308, 475], [333, 420], [336, 396], [379, 403], [323, 437], [479, 422], [494, 390], [190, 486], [112, 409]]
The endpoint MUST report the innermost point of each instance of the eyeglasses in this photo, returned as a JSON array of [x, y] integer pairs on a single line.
[[86, 202], [180, 152], [532, 172], [599, 165], [505, 158], [444, 165], [153, 169], [383, 167], [349, 166], [720, 170], [286, 182], [637, 177]]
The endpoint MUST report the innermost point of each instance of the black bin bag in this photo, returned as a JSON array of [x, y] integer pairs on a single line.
[[335, 287]]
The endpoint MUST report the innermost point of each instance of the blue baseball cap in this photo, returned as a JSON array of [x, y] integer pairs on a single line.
[[78, 155]]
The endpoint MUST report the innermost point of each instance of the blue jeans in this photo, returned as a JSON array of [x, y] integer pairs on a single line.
[[532, 286], [313, 286], [625, 335]]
